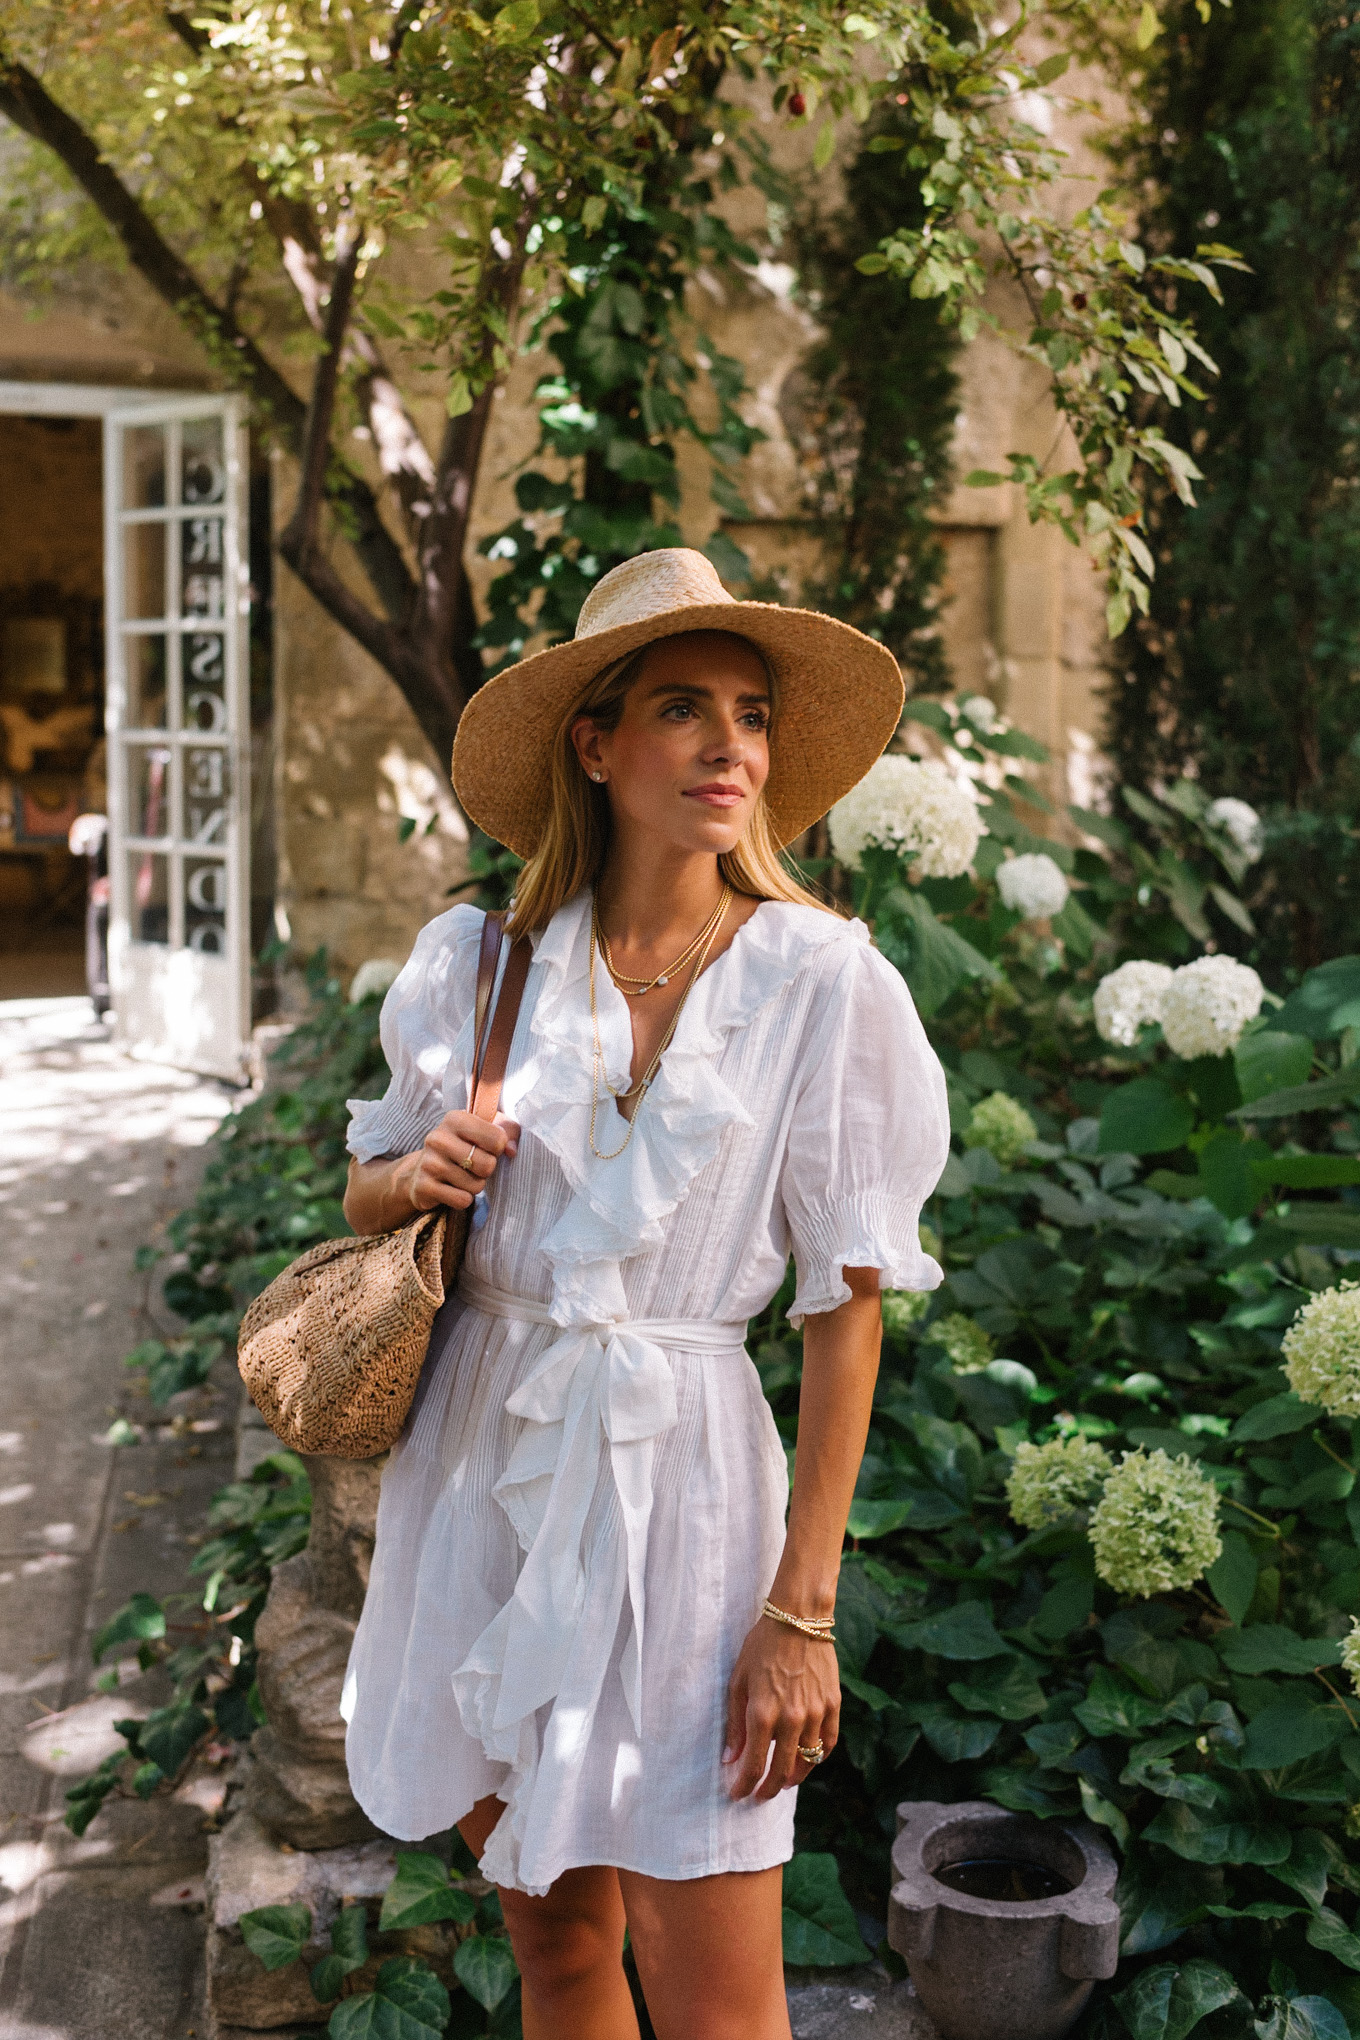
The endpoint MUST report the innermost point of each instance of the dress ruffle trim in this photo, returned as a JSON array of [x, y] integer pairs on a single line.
[[621, 1204], [872, 1230]]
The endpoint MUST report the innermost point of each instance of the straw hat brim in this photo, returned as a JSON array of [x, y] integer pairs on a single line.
[[840, 697]]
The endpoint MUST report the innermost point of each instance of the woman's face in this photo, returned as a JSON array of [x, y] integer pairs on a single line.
[[691, 751]]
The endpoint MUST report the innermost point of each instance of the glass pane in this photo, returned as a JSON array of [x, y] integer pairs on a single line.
[[143, 570], [148, 790], [205, 794], [203, 469], [144, 467], [146, 661], [205, 905], [149, 891], [201, 556], [205, 684]]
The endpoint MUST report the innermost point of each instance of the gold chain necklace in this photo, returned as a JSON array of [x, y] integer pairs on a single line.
[[598, 1066], [635, 987]]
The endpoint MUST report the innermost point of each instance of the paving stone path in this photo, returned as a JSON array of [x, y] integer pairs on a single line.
[[100, 1937]]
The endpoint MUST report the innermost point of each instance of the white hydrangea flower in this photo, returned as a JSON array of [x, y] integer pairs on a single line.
[[1032, 885], [980, 711], [1155, 1527], [1321, 1350], [910, 804], [1207, 1004], [1048, 1482], [374, 976], [1350, 1662], [1129, 997], [1238, 820]]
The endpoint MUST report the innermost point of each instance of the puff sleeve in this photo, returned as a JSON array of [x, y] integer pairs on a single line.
[[426, 1033], [868, 1136]]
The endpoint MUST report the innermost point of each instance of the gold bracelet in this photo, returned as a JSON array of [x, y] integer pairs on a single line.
[[820, 1626]]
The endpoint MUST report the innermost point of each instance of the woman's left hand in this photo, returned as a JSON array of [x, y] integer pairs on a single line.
[[786, 1690]]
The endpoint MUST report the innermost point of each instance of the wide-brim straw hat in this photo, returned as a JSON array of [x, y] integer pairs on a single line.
[[839, 696]]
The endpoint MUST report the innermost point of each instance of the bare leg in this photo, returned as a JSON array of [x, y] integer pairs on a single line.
[[569, 1947], [710, 1954]]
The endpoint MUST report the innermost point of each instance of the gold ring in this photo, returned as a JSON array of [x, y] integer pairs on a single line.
[[814, 1754], [467, 1166]]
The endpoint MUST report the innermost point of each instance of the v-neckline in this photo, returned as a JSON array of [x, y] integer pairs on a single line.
[[612, 992]]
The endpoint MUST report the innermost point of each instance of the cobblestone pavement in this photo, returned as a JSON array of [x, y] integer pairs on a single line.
[[99, 1937]]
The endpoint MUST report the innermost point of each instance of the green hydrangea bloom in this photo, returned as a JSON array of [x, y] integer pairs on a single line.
[[967, 1345], [903, 1308], [1002, 1127], [1350, 1654], [1047, 1482], [1322, 1350], [1155, 1526]]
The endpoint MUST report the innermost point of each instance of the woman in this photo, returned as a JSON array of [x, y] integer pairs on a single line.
[[563, 1648]]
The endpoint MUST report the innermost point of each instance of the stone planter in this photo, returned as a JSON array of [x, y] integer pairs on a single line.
[[1001, 1969]]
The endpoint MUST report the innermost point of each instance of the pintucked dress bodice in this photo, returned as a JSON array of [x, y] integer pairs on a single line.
[[586, 1507]]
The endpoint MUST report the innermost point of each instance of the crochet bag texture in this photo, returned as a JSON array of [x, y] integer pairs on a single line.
[[332, 1351]]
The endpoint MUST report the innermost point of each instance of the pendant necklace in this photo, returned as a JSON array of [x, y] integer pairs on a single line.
[[635, 987], [598, 1066]]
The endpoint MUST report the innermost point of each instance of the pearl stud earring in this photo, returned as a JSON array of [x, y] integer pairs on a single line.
[[597, 775]]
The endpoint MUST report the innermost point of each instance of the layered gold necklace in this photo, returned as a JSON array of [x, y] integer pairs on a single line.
[[635, 987], [695, 952]]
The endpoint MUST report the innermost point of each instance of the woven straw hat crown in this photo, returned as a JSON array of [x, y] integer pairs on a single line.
[[838, 695]]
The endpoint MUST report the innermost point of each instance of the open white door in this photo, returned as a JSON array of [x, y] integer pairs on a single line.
[[175, 492]]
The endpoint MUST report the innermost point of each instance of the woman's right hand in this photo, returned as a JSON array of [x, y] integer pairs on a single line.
[[453, 1163], [457, 1160]]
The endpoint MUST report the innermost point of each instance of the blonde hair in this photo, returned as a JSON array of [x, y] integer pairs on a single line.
[[575, 841]]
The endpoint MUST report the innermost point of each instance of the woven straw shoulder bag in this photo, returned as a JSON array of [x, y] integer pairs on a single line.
[[331, 1352]]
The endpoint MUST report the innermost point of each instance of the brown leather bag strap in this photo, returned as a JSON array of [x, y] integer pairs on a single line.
[[489, 1073], [488, 956]]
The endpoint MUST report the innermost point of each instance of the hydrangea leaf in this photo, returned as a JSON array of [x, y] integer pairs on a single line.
[[1276, 1418], [1287, 1731], [1233, 1574], [1326, 1003], [1144, 1117], [1272, 1647]]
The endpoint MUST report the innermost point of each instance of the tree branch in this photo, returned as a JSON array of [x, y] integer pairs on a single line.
[[31, 108], [300, 535]]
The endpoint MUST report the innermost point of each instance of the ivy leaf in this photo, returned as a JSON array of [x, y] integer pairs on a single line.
[[485, 1966], [276, 1934], [407, 2002], [1104, 1812], [1307, 1868], [168, 1735], [421, 1893], [140, 1620], [820, 1929], [1013, 1692], [1180, 1828], [1329, 1932], [1112, 1707], [1302, 2018], [1168, 2002]]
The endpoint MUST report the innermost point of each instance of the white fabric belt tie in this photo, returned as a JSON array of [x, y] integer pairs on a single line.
[[599, 1395]]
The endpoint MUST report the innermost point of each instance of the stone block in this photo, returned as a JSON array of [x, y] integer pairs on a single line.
[[303, 1653], [305, 1804], [861, 2004]]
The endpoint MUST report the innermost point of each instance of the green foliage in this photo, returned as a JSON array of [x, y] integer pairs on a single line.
[[1243, 670], [408, 1999], [612, 414], [875, 404], [820, 1929]]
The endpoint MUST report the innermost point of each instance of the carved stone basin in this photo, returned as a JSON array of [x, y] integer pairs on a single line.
[[990, 1968]]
